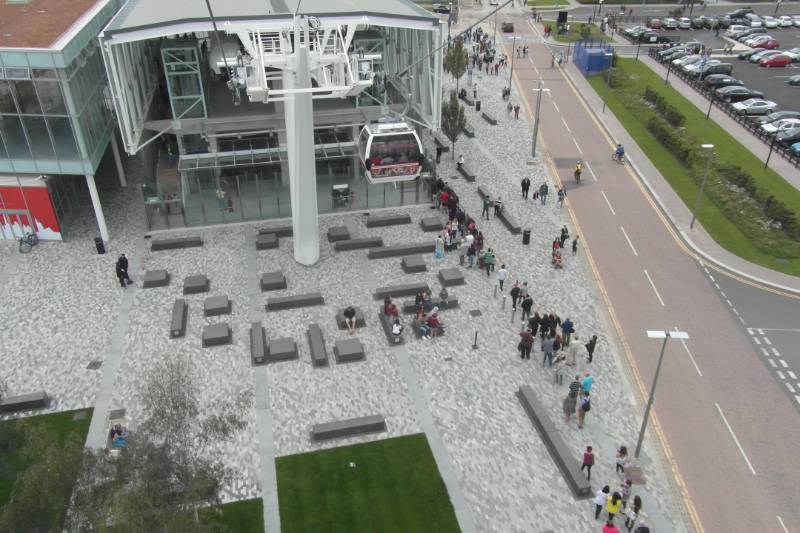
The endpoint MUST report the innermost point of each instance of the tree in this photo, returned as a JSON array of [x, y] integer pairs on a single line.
[[453, 120], [455, 62], [586, 31]]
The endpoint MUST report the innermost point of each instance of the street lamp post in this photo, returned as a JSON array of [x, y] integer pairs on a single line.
[[666, 335], [710, 148], [669, 67], [540, 90], [771, 147], [608, 79], [513, 54], [711, 102]]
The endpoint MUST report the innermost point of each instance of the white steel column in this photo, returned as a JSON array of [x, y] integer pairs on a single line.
[[98, 209], [302, 168], [118, 160]]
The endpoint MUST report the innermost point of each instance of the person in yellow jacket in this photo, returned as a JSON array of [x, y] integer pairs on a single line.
[[613, 505]]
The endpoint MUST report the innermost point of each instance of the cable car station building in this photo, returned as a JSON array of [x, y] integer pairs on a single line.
[[274, 113]]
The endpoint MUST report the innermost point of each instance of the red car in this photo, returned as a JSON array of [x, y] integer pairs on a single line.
[[779, 60], [769, 44]]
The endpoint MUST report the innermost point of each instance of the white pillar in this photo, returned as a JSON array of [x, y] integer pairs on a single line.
[[98, 209], [118, 160], [299, 113]]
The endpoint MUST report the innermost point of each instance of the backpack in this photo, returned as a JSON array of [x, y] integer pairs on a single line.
[[586, 405]]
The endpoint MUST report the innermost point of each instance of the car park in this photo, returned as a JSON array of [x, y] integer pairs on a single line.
[[762, 54], [785, 21], [736, 93], [779, 61], [769, 44], [769, 22], [789, 137], [669, 24], [794, 80], [754, 106], [779, 125], [685, 23], [716, 81], [775, 116]]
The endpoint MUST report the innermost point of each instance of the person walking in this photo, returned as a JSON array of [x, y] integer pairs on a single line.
[[585, 407], [571, 401], [590, 346], [543, 193], [625, 490], [573, 351], [438, 154], [525, 344], [487, 203], [515, 290], [526, 185], [632, 513], [547, 351], [502, 275], [587, 382], [562, 194], [526, 305], [121, 269], [613, 505], [471, 253], [488, 261], [622, 458], [567, 329], [516, 111], [610, 527], [588, 462], [575, 246], [534, 322], [564, 236], [600, 501]]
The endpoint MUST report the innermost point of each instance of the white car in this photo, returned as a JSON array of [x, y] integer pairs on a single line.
[[785, 21], [734, 29], [694, 70], [780, 125], [687, 60], [493, 2], [769, 22], [794, 54], [685, 23], [754, 106], [796, 19]]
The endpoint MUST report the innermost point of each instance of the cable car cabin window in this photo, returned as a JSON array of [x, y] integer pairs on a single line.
[[394, 155]]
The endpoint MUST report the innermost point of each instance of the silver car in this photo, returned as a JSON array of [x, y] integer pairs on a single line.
[[754, 106]]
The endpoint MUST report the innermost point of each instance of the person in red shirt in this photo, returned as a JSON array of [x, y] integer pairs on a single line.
[[391, 310], [435, 325], [610, 527], [588, 462], [444, 197]]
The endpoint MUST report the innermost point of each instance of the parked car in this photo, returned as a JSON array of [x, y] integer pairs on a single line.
[[736, 93], [780, 125], [754, 106], [699, 23], [794, 80], [794, 54], [785, 21], [742, 36], [686, 60], [753, 39], [694, 69], [796, 20], [716, 81], [753, 20], [654, 24], [760, 54], [779, 60], [788, 137], [685, 23], [747, 54], [741, 12], [669, 24], [769, 44], [718, 68], [795, 149], [769, 22], [777, 115], [507, 27], [735, 29], [442, 8], [722, 23]]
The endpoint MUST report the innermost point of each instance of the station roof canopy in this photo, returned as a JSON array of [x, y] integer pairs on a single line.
[[145, 19], [42, 23]]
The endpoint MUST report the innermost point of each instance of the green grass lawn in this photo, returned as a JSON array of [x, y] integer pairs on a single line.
[[246, 516], [545, 3], [60, 426], [394, 488], [574, 33], [727, 149]]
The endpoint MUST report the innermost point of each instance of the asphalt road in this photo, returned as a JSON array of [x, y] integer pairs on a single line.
[[729, 424]]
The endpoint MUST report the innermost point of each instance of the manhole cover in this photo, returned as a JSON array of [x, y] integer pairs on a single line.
[[94, 365]]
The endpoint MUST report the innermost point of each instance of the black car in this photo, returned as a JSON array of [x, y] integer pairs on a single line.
[[777, 115], [442, 8], [789, 137], [737, 93], [712, 23], [747, 53], [717, 81], [699, 22], [739, 13]]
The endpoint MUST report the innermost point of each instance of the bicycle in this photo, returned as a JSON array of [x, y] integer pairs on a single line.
[[619, 158], [27, 243]]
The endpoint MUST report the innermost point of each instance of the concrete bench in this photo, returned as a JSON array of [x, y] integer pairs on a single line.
[[174, 244], [338, 233], [467, 100], [283, 349], [418, 334], [155, 278], [562, 454], [483, 193], [469, 131], [348, 350], [216, 335], [465, 174], [358, 244], [266, 241], [273, 281], [451, 276], [509, 222], [407, 289], [258, 344], [195, 284], [360, 322], [280, 231], [177, 325], [217, 305], [388, 220], [400, 250], [24, 402], [413, 263], [410, 307], [316, 343], [297, 300], [386, 323], [431, 224], [346, 428], [488, 118], [441, 144]]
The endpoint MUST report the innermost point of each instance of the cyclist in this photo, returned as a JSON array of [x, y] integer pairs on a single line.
[[578, 170], [619, 154]]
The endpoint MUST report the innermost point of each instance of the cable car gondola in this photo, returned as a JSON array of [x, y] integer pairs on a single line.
[[390, 152]]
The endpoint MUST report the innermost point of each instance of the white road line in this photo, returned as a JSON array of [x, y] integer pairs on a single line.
[[750, 331], [591, 171], [712, 279], [791, 374], [780, 521], [629, 242], [742, 321], [735, 312], [654, 288], [760, 331], [728, 302], [796, 397], [556, 106], [608, 203], [738, 445], [780, 374], [776, 352], [778, 329], [755, 339], [723, 293], [565, 124], [765, 352], [783, 363], [773, 363], [791, 389], [767, 340], [577, 146], [690, 356], [715, 284]]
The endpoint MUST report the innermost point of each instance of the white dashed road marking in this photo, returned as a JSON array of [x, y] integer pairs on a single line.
[[591, 171], [629, 241], [565, 124], [736, 440], [654, 288], [608, 203], [577, 146]]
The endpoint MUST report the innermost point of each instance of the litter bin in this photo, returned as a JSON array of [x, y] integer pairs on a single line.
[[526, 236], [98, 243], [477, 105]]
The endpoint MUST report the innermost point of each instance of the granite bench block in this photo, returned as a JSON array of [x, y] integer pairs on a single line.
[[258, 344], [316, 343], [24, 402], [216, 335], [410, 306], [195, 284], [451, 276], [358, 244], [360, 322], [175, 244], [177, 325], [155, 278], [407, 289], [266, 241], [346, 428], [489, 118], [386, 324], [338, 233], [217, 305], [509, 222], [400, 250], [273, 281], [280, 231], [297, 300], [347, 350], [465, 173], [283, 349], [431, 224], [413, 263], [388, 220], [442, 144]]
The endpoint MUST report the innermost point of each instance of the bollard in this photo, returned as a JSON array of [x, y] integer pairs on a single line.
[[495, 291], [513, 312], [475, 342], [504, 301]]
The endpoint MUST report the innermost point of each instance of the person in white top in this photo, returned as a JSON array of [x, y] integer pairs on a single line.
[[600, 500], [468, 239], [502, 275]]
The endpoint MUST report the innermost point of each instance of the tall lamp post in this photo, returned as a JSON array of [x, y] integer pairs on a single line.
[[540, 90], [710, 148], [666, 335], [608, 78], [513, 54]]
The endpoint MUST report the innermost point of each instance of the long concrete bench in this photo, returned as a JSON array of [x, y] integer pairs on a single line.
[[177, 325], [399, 250], [360, 322], [441, 144], [386, 324], [407, 289], [217, 305], [469, 131], [483, 193], [155, 278], [216, 335], [258, 344], [562, 454], [266, 241], [347, 350], [358, 244], [413, 263], [296, 300], [465, 173], [24, 402], [410, 306], [512, 225], [489, 118], [346, 428], [316, 343], [388, 220], [280, 231], [174, 244], [195, 284], [431, 224]]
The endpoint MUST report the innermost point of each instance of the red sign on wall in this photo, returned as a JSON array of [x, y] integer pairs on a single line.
[[34, 198]]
